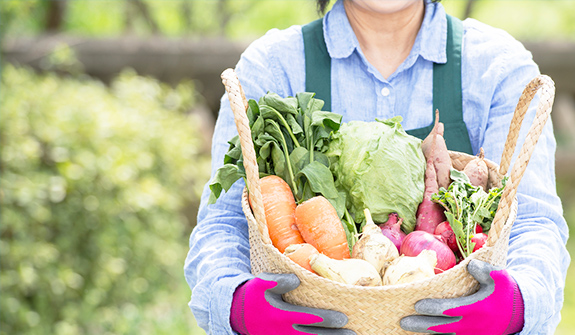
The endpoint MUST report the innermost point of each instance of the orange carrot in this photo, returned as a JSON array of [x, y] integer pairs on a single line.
[[279, 208], [301, 253], [320, 226]]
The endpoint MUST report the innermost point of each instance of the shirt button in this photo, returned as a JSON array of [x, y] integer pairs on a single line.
[[385, 91]]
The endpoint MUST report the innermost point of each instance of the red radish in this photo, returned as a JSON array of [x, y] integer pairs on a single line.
[[478, 228], [392, 229], [430, 214], [444, 229], [477, 171], [479, 240], [417, 241]]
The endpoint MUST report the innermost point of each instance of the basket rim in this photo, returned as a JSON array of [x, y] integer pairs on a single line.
[[484, 252]]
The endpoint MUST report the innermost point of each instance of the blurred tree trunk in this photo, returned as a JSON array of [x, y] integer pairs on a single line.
[[136, 8], [469, 8], [55, 13], [225, 15], [187, 15], [128, 17]]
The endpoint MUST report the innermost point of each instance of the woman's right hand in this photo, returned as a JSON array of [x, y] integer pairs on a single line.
[[258, 308]]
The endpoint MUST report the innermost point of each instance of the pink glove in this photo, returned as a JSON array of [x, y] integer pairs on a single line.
[[495, 309], [258, 309]]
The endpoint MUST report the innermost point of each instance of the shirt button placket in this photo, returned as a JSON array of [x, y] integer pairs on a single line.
[[385, 91]]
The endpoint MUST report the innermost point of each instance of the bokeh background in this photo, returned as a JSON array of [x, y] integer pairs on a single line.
[[107, 110]]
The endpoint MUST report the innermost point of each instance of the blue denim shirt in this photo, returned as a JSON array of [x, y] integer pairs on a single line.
[[495, 70]]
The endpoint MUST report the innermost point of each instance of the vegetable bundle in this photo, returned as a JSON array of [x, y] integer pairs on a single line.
[[466, 207], [323, 181], [380, 167], [290, 136]]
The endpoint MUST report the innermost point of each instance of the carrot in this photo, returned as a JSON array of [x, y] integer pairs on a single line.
[[320, 226], [279, 208], [477, 171], [301, 253], [442, 161], [430, 214]]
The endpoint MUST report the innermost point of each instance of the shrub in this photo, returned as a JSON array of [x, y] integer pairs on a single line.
[[94, 182]]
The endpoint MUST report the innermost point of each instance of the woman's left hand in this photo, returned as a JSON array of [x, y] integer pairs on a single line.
[[495, 309]]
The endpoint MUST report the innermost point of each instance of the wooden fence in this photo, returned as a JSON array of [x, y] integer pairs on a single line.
[[171, 60]]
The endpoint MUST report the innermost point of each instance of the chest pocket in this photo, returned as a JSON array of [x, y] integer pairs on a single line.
[[447, 97]]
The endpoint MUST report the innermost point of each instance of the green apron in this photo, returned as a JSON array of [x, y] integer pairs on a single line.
[[446, 82]]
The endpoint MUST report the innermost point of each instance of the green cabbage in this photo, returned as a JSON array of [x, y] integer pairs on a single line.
[[380, 167]]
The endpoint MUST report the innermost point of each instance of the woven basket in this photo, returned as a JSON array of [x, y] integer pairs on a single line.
[[378, 310]]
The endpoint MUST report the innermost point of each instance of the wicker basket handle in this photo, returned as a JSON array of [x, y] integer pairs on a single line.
[[239, 105], [546, 85]]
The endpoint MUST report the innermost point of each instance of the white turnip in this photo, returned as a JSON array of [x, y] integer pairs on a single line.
[[406, 269], [349, 271], [374, 247]]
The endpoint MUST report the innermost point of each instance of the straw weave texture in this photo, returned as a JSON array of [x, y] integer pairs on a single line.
[[374, 310], [378, 310]]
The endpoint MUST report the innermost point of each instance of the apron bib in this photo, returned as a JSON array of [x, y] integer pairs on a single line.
[[446, 82]]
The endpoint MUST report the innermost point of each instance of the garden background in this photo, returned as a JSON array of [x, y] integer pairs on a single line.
[[107, 111]]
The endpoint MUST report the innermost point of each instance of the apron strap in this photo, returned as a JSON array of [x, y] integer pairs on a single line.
[[317, 63], [447, 96], [447, 91]]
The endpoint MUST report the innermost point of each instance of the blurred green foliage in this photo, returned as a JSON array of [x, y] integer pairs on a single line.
[[95, 183], [566, 191], [524, 19], [232, 18]]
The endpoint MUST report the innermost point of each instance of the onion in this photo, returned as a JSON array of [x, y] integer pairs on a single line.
[[417, 241], [392, 229]]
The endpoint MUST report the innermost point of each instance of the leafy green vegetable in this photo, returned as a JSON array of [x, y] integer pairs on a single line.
[[290, 137], [380, 167], [467, 206]]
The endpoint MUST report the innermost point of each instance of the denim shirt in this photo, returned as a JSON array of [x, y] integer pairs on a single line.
[[495, 70]]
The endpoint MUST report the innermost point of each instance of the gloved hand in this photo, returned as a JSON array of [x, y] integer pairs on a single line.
[[495, 309], [258, 308]]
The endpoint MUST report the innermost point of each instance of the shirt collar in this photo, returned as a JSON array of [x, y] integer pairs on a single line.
[[430, 41]]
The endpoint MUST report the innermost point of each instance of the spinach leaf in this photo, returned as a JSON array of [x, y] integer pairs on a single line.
[[290, 137], [224, 178]]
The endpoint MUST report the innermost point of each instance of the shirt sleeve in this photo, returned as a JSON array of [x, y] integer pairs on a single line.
[[537, 257], [218, 258]]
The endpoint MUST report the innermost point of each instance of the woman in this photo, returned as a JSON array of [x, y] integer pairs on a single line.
[[377, 59]]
